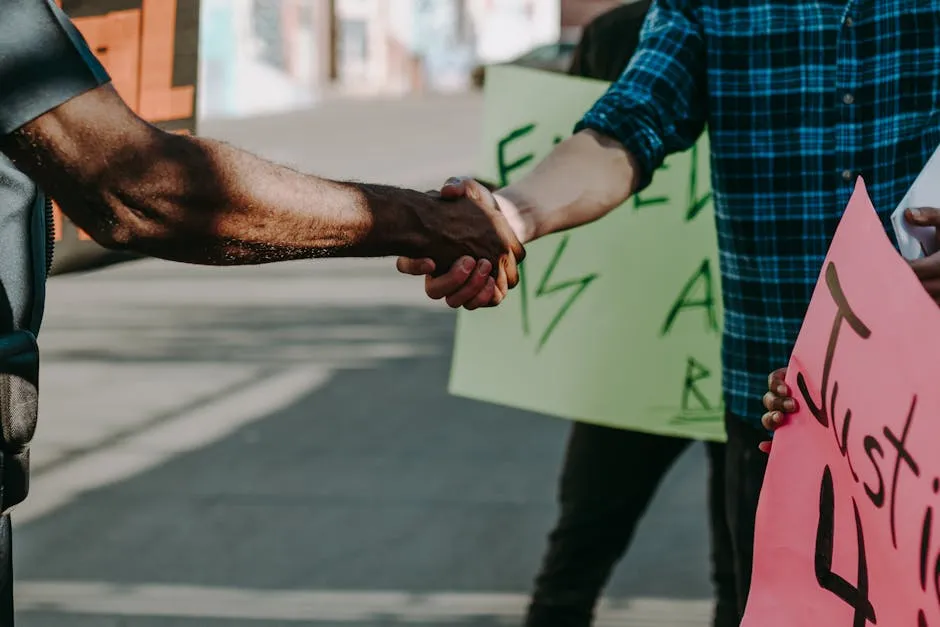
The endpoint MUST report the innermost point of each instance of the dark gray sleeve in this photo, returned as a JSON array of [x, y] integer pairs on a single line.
[[44, 61]]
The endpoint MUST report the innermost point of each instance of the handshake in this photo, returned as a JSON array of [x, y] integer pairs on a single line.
[[476, 246]]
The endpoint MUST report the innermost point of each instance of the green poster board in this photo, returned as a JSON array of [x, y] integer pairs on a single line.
[[617, 322]]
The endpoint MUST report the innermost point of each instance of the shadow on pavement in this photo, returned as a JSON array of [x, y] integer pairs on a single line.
[[377, 481]]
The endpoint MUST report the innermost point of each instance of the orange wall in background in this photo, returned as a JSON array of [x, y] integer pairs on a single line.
[[138, 48]]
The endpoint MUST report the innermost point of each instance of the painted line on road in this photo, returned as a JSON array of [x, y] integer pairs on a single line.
[[123, 433], [197, 602], [186, 432]]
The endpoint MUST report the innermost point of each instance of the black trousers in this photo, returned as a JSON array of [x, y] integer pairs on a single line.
[[607, 482], [6, 572], [745, 467]]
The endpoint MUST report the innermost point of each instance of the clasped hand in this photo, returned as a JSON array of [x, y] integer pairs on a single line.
[[470, 283]]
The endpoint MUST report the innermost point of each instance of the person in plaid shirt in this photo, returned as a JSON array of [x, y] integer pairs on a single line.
[[800, 99]]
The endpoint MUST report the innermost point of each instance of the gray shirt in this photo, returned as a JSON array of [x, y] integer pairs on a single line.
[[44, 62]]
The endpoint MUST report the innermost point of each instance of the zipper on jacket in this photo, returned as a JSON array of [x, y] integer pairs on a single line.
[[50, 235]]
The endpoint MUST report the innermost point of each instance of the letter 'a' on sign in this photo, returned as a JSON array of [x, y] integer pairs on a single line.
[[846, 533], [697, 294]]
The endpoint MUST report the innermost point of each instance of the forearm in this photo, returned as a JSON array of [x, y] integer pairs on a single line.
[[131, 186], [655, 108], [207, 202], [581, 180]]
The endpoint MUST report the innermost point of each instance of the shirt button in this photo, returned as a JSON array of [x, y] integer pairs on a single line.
[[848, 99], [847, 176], [849, 22]]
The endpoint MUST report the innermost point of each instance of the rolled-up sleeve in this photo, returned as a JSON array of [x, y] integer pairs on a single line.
[[657, 106], [44, 62]]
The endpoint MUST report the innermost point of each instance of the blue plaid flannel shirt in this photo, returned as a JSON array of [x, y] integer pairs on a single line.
[[799, 98]]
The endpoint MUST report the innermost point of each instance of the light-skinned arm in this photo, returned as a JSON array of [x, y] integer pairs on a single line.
[[657, 107]]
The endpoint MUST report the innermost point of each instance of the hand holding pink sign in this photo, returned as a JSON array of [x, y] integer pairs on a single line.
[[847, 529]]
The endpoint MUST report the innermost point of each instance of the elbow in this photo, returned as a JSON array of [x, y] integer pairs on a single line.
[[119, 236], [148, 207], [164, 194], [122, 226]]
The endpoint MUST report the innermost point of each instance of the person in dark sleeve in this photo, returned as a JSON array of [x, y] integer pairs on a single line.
[[608, 42], [65, 133], [610, 475]]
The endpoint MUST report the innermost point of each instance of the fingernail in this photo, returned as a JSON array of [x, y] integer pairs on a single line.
[[782, 390], [427, 267], [468, 264], [485, 267], [789, 405], [916, 212], [452, 181]]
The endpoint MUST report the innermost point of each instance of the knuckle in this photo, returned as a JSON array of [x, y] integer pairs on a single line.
[[769, 400]]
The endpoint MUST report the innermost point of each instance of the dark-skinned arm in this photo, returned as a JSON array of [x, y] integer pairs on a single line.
[[132, 186]]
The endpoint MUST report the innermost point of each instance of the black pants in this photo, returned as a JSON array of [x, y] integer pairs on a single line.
[[745, 466], [608, 480], [6, 572]]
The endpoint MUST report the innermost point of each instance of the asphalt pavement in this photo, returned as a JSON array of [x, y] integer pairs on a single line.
[[271, 446]]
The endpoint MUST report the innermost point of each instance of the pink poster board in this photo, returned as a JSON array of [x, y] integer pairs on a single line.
[[848, 527]]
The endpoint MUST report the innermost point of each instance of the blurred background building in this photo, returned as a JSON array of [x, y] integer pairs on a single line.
[[262, 56]]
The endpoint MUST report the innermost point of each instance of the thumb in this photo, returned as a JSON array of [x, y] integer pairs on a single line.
[[455, 187], [923, 216]]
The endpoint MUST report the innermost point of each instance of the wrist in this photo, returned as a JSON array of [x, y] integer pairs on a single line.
[[402, 222], [519, 213]]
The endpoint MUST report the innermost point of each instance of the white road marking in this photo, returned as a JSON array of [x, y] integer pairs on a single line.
[[179, 601], [153, 446]]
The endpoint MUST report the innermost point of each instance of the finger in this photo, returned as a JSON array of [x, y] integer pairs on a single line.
[[455, 187], [510, 265], [478, 194], [776, 382], [502, 277], [768, 400], [473, 285], [772, 402], [926, 268], [922, 216], [765, 446], [440, 286], [415, 267], [497, 297], [932, 287], [519, 253], [484, 297], [772, 420]]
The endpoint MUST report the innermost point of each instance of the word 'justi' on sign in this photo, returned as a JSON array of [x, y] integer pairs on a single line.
[[888, 459]]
